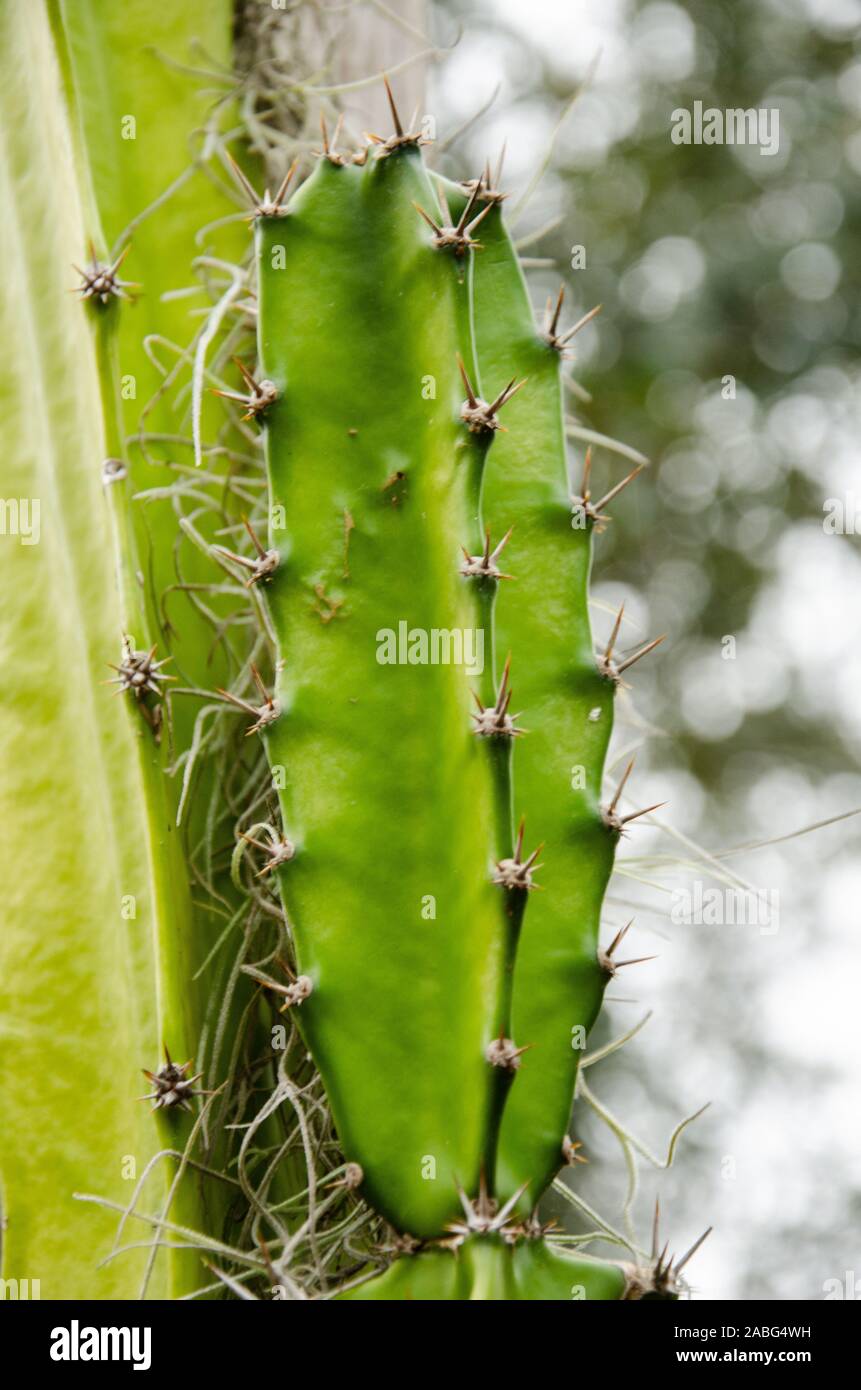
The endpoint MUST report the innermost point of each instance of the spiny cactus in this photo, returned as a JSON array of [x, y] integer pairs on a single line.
[[82, 886], [390, 339], [410, 644], [386, 801], [567, 699], [119, 961]]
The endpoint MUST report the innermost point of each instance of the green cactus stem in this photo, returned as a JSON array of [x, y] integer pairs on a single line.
[[78, 970], [122, 119], [379, 450], [567, 698], [387, 799]]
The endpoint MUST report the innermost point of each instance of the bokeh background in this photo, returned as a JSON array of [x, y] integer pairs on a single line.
[[712, 261]]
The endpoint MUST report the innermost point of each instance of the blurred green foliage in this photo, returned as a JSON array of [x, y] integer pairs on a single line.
[[716, 262]]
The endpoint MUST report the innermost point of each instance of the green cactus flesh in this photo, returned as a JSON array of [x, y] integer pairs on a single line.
[[387, 796], [94, 62], [488, 1269], [543, 620], [396, 816]]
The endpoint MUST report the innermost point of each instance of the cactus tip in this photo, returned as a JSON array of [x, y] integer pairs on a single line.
[[100, 281], [606, 959], [502, 1052], [661, 1275], [484, 566], [113, 471], [495, 721], [570, 1151], [479, 416], [173, 1087], [402, 139], [610, 814], [264, 714], [353, 1177], [267, 206], [279, 851], [560, 341], [263, 567], [449, 235], [329, 151], [612, 669], [516, 873], [260, 394], [138, 672], [483, 1215]]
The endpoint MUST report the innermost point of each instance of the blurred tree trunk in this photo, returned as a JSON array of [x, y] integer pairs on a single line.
[[357, 43], [298, 57]]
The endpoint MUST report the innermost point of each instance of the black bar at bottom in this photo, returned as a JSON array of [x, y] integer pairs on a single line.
[[63, 1339]]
